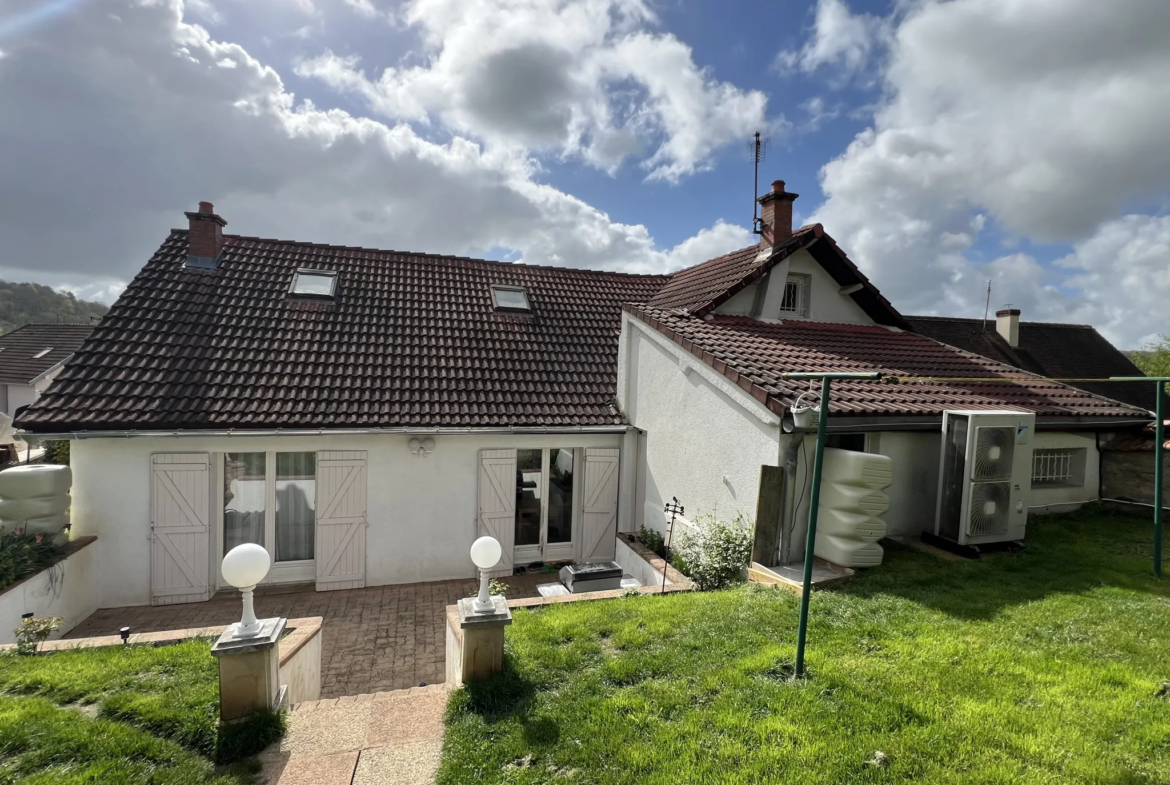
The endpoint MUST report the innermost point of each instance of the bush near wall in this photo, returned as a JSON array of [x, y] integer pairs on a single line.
[[22, 555], [57, 452], [715, 554]]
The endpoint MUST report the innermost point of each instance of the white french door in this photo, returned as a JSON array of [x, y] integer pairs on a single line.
[[270, 498], [546, 505]]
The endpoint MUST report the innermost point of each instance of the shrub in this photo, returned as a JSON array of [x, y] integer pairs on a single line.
[[23, 554], [238, 740], [653, 540], [715, 553], [32, 631], [57, 452]]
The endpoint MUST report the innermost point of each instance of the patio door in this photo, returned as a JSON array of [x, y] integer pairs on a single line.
[[546, 504], [270, 498]]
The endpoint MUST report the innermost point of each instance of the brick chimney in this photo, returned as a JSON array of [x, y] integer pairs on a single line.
[[1007, 324], [205, 240], [776, 215]]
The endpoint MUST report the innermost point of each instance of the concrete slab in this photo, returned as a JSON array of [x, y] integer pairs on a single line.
[[335, 769], [407, 764], [326, 731], [409, 719]]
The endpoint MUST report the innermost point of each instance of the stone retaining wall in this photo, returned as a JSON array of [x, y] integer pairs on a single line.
[[65, 588], [1129, 476]]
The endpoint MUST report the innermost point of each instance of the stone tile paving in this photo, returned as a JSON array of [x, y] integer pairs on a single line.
[[394, 737], [376, 639]]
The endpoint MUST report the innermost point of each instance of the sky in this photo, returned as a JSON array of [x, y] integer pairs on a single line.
[[942, 143]]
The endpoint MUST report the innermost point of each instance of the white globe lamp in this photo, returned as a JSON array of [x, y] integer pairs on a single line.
[[244, 566], [485, 553]]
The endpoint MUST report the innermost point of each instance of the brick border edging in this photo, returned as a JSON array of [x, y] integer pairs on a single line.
[[301, 631]]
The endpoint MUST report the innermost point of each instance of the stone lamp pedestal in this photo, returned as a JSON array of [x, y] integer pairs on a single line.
[[483, 638], [249, 670]]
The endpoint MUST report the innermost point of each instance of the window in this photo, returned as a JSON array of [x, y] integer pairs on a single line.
[[314, 283], [796, 296], [270, 498], [1059, 468], [42, 353], [510, 298]]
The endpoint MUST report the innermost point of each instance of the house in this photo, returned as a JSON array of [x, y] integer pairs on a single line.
[[363, 414], [366, 414], [1058, 351], [31, 357], [700, 377]]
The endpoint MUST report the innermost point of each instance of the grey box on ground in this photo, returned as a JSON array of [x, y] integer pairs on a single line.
[[597, 576]]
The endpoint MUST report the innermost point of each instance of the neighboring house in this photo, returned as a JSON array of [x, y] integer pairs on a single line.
[[367, 414], [701, 369], [31, 357], [363, 414], [1058, 351]]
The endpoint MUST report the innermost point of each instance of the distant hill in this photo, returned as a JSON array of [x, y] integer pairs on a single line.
[[22, 303]]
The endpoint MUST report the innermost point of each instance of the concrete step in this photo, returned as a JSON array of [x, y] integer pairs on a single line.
[[346, 700]]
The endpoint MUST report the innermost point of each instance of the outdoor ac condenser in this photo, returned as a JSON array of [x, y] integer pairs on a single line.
[[985, 476]]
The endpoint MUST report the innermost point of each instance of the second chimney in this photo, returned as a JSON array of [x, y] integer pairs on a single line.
[[1007, 324], [776, 215], [205, 238]]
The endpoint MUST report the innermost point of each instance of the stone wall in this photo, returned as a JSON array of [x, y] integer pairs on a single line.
[[1130, 476]]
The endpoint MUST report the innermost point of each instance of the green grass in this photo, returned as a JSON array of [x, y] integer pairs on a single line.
[[1043, 667], [119, 714]]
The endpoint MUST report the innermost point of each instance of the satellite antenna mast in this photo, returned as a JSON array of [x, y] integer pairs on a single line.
[[987, 307], [757, 150]]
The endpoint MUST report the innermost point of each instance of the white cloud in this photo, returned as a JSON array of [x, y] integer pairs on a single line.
[[153, 125], [1047, 117], [839, 38], [581, 78], [363, 7]]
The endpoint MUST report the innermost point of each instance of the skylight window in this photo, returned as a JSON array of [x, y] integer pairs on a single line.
[[42, 353], [314, 283], [510, 298]]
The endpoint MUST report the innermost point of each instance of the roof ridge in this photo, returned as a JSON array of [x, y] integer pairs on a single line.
[[976, 319], [434, 256]]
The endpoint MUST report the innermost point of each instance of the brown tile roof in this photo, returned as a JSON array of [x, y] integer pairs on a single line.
[[754, 354], [1060, 351], [701, 289], [18, 349], [411, 340]]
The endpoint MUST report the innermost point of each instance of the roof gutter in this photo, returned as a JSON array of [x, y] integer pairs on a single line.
[[33, 437], [50, 369], [839, 424]]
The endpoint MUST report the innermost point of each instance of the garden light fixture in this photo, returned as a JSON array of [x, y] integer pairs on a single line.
[[485, 553], [244, 566]]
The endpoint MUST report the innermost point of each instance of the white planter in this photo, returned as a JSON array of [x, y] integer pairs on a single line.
[[67, 589]]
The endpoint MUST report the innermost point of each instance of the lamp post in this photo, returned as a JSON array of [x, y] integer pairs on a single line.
[[244, 566], [485, 553]]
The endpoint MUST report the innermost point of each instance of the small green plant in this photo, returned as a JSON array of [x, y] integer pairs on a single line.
[[714, 553], [23, 554], [237, 740], [497, 586], [653, 540], [32, 631], [57, 452]]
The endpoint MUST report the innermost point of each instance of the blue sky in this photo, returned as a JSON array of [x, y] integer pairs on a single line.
[[943, 143]]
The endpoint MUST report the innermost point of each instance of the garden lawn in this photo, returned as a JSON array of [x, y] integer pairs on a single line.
[[131, 714], [1050, 666]]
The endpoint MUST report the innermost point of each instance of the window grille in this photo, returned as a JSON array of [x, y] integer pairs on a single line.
[[1059, 468], [795, 300]]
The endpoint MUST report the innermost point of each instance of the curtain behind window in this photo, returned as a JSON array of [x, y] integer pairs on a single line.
[[296, 501]]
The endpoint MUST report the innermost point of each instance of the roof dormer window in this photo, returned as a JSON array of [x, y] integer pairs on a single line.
[[511, 298], [796, 296], [314, 283]]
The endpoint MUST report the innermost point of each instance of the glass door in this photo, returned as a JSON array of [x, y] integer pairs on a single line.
[[269, 498], [545, 508]]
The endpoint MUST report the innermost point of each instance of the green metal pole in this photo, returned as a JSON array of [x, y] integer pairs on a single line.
[[1158, 437], [811, 538]]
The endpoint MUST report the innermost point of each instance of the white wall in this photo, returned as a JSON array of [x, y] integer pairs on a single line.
[[421, 510], [827, 304], [704, 439], [20, 395], [1062, 499], [67, 590]]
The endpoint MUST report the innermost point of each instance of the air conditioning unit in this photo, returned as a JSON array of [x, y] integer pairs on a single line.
[[985, 476]]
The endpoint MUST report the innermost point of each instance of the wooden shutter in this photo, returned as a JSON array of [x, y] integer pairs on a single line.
[[341, 520], [180, 531], [599, 514], [497, 502]]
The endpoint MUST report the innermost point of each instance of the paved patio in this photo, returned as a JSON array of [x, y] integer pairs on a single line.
[[375, 640]]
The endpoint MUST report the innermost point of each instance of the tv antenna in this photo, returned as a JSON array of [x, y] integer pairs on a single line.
[[987, 307], [757, 151]]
